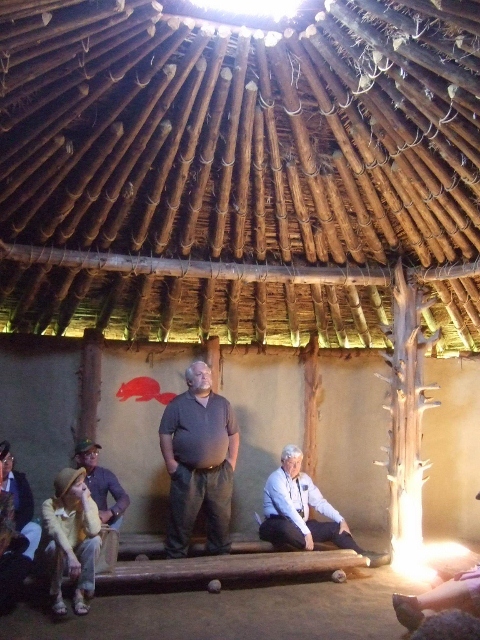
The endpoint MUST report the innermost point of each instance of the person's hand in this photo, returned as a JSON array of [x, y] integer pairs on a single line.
[[308, 542], [105, 516], [172, 467], [74, 566], [344, 528], [230, 463]]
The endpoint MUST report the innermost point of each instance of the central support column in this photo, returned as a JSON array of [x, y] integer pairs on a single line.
[[405, 467]]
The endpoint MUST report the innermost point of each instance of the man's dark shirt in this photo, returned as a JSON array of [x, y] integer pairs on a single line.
[[101, 482]]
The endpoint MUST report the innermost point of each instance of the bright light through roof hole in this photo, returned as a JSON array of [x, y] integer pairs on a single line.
[[276, 9]]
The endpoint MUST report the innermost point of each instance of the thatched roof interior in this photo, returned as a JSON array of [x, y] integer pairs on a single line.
[[170, 137]]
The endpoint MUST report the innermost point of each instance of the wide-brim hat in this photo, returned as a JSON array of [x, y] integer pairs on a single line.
[[65, 479]]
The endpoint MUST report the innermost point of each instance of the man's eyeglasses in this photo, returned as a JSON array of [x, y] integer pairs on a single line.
[[91, 454], [8, 459]]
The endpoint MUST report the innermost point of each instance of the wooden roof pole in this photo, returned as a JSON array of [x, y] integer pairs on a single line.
[[321, 319], [98, 261], [234, 295], [143, 285], [258, 167], [21, 50], [471, 289], [261, 312], [128, 194], [74, 71], [425, 222], [30, 292], [409, 49], [146, 122], [333, 120], [10, 10], [206, 156], [244, 155], [405, 466], [377, 304], [187, 65], [392, 199], [430, 9], [75, 188], [59, 289], [338, 208], [228, 159], [336, 314], [365, 222], [88, 142], [358, 315], [103, 175], [10, 277], [20, 176], [415, 174], [23, 146], [170, 309], [76, 294], [36, 22], [292, 313], [278, 57], [33, 187], [302, 213], [161, 229], [117, 287], [455, 315], [465, 301], [208, 295], [363, 178], [268, 104]]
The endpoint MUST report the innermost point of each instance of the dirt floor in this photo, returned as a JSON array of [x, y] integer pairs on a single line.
[[360, 608]]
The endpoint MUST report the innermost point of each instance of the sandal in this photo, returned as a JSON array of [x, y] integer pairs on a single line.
[[59, 608], [79, 607]]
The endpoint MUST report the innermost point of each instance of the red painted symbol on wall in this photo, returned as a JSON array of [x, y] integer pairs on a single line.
[[143, 389]]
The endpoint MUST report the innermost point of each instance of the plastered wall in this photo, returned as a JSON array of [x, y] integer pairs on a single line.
[[39, 385]]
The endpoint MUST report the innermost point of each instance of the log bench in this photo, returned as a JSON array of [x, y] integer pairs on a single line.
[[150, 544], [228, 567]]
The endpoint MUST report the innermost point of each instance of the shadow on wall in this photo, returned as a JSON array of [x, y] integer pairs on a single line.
[[156, 504]]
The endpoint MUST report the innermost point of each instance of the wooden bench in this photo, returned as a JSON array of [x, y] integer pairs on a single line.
[[134, 544], [249, 565]]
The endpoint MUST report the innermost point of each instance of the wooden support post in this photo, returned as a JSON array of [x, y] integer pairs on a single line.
[[405, 467], [91, 380], [213, 360], [313, 381]]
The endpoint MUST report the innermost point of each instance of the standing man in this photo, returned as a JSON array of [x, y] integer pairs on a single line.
[[286, 499], [199, 441], [101, 482]]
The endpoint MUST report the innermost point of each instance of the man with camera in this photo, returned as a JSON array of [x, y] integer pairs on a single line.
[[287, 496]]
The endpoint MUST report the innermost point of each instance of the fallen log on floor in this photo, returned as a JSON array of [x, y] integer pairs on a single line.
[[133, 544], [244, 566]]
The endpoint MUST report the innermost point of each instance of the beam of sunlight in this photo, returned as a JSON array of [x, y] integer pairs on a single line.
[[275, 9], [418, 562]]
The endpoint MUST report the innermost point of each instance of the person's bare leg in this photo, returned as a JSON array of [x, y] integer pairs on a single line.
[[449, 594]]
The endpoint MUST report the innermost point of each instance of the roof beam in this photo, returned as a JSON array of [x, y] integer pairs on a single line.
[[333, 275]]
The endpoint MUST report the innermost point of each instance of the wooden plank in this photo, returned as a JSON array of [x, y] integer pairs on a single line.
[[232, 567]]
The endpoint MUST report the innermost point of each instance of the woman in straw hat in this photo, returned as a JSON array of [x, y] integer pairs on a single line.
[[71, 520]]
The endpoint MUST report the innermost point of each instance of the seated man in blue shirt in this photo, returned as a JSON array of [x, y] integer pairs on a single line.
[[287, 496], [101, 482]]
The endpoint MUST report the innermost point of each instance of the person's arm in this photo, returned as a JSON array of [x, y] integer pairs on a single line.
[[166, 447], [320, 504], [233, 446], [92, 523], [119, 494], [53, 526]]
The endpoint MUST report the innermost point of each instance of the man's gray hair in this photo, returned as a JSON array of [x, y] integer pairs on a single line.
[[291, 451], [189, 370]]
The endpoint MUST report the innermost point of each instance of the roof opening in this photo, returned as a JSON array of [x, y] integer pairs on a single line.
[[275, 9]]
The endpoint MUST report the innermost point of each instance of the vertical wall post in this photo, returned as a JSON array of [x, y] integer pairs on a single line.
[[312, 383], [213, 360], [90, 382]]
